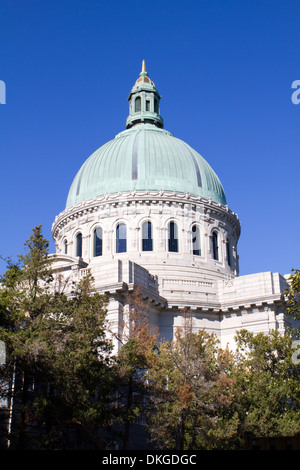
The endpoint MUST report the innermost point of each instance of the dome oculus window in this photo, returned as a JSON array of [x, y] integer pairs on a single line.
[[121, 239], [98, 241]]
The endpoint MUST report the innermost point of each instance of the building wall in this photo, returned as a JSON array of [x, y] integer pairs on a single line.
[[220, 300]]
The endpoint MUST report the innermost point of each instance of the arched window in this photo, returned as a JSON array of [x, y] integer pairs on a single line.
[[121, 240], [196, 242], [147, 242], [98, 241], [173, 237], [228, 253], [79, 245], [137, 104], [147, 105], [66, 247], [215, 246]]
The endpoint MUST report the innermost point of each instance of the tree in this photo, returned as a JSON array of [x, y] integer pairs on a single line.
[[267, 385], [293, 303], [77, 355], [137, 354], [24, 296], [189, 386], [57, 345]]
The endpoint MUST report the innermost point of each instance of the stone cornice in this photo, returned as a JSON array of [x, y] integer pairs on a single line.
[[229, 308], [211, 208]]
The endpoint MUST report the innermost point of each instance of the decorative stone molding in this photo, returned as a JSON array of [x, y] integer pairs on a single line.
[[209, 207]]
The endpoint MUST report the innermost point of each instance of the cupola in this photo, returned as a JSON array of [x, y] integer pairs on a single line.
[[145, 157], [144, 102]]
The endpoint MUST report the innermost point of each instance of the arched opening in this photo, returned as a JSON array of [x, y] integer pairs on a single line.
[[228, 253], [121, 239], [66, 247], [173, 237], [147, 241], [98, 241], [196, 242], [215, 245], [79, 245], [137, 105]]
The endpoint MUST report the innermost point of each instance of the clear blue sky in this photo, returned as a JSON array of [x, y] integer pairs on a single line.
[[224, 70]]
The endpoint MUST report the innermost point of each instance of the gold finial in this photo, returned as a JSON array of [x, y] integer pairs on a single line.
[[143, 78]]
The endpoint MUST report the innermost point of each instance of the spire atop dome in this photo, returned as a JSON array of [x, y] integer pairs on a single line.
[[144, 102], [144, 67], [144, 72]]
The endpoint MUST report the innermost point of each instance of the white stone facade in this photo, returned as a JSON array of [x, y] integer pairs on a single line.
[[220, 300]]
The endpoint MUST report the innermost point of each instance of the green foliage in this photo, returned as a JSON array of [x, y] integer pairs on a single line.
[[189, 387], [135, 358], [207, 398], [293, 303], [194, 394], [58, 343], [267, 388], [10, 296]]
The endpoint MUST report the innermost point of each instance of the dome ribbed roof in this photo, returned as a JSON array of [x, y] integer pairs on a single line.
[[145, 157]]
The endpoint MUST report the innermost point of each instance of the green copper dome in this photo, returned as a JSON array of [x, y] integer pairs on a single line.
[[145, 157]]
